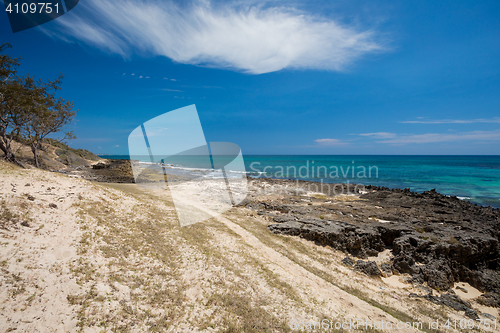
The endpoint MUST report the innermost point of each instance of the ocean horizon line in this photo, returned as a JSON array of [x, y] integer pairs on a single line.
[[493, 155]]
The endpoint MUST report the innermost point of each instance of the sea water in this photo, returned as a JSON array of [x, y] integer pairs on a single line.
[[472, 178]]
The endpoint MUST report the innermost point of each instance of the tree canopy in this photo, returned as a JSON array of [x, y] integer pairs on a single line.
[[30, 110]]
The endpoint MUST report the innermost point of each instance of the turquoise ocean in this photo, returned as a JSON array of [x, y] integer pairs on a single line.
[[472, 178]]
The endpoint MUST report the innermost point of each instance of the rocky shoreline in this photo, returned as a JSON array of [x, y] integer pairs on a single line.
[[438, 240]]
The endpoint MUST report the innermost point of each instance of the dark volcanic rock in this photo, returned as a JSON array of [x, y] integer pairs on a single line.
[[361, 242], [440, 263], [489, 299], [99, 166], [447, 298], [386, 270], [437, 239], [471, 314], [283, 218], [348, 261], [436, 279], [433, 207], [451, 300], [368, 267], [462, 256], [111, 171], [488, 316]]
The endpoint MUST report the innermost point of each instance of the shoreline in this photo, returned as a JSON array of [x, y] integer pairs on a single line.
[[437, 240], [380, 218], [119, 166], [289, 256]]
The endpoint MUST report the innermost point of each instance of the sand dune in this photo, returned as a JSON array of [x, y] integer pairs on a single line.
[[77, 255]]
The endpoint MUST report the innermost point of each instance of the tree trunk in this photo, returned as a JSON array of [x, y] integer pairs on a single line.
[[7, 150], [3, 148], [34, 149], [10, 157], [3, 139]]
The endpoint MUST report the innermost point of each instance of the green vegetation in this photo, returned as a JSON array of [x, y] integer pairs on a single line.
[[71, 156], [29, 109], [64, 149]]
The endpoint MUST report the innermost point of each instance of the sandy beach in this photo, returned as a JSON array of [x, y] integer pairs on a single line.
[[249, 166], [100, 257]]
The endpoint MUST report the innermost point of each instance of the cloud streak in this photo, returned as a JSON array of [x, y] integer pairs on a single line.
[[488, 136], [495, 120], [166, 89], [252, 39], [331, 142], [380, 135]]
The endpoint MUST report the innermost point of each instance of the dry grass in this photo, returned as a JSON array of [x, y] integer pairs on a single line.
[[150, 267], [139, 271], [307, 255]]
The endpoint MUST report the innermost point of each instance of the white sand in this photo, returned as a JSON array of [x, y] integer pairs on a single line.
[[36, 260]]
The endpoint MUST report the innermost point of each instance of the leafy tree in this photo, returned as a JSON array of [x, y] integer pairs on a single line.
[[10, 103], [7, 64], [48, 114], [30, 109]]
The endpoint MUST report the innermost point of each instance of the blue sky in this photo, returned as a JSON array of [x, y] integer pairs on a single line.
[[280, 77]]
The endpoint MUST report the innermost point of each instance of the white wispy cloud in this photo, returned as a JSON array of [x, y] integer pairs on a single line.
[[330, 142], [495, 120], [252, 39], [166, 89], [380, 135], [487, 136]]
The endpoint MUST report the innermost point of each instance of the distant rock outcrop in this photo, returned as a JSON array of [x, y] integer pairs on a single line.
[[111, 171]]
